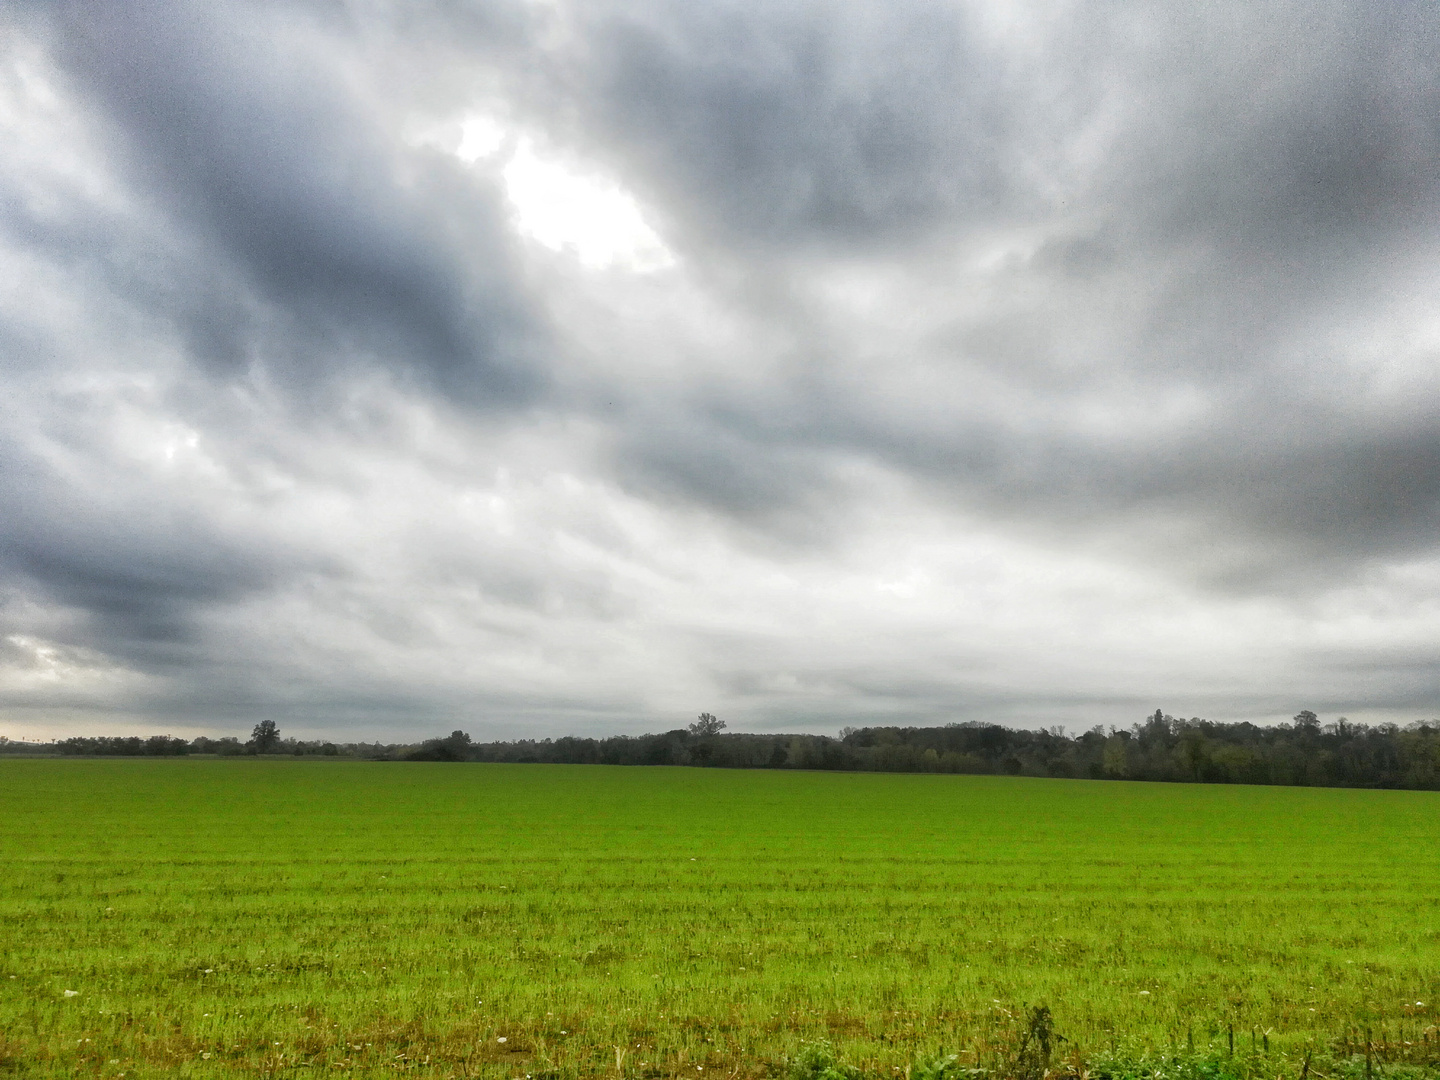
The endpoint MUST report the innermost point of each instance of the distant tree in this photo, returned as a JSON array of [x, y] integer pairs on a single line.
[[458, 745], [1116, 756], [706, 724], [1191, 753], [1307, 719], [265, 739], [454, 747], [165, 746]]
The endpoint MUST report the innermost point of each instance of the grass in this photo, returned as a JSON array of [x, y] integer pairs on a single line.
[[277, 917]]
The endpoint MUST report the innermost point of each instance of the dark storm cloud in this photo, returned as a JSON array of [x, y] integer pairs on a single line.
[[815, 123], [136, 573], [300, 417], [837, 123], [1252, 174], [250, 142]]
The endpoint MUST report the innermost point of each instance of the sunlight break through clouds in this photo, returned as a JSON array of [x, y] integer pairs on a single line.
[[562, 208], [570, 211], [579, 367]]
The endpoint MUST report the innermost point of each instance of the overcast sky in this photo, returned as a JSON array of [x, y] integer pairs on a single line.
[[546, 367]]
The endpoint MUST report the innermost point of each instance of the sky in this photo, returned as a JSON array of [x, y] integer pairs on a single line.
[[539, 367]]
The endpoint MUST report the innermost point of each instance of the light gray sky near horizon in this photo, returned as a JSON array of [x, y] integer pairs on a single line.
[[542, 367]]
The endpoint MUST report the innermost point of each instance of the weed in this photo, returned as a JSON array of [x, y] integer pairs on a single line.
[[1150, 1065], [1031, 1059], [817, 1061], [944, 1067]]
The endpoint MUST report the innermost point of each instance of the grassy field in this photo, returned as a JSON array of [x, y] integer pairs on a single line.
[[215, 917]]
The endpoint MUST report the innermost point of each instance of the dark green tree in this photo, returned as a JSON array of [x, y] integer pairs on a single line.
[[454, 747], [707, 725], [265, 739]]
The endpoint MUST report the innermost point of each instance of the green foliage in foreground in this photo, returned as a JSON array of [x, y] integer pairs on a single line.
[[253, 916]]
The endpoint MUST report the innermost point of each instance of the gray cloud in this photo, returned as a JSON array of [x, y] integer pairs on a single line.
[[1027, 364], [1236, 179], [261, 156]]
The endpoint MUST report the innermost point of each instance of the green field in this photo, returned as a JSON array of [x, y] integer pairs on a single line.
[[255, 916]]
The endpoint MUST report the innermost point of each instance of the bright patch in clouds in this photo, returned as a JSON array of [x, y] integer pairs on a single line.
[[568, 211], [480, 137], [557, 206]]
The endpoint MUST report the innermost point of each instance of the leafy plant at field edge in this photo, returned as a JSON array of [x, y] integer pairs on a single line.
[[945, 1067], [1146, 1065], [817, 1061], [1357, 1068], [1032, 1053]]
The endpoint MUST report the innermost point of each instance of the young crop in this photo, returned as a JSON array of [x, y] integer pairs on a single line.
[[239, 916]]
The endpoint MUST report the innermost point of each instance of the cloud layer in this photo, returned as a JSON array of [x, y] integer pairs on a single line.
[[547, 367]]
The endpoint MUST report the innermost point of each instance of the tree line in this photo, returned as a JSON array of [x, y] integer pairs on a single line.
[[1162, 747]]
